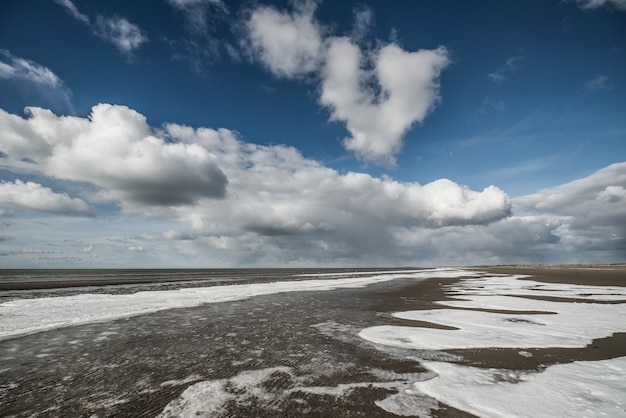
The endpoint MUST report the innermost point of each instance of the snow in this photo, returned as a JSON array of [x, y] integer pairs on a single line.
[[564, 324], [589, 389], [581, 389], [25, 316]]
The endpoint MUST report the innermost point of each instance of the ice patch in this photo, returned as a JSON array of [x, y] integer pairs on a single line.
[[503, 285], [582, 389], [270, 388], [24, 316], [408, 404], [209, 398], [587, 389], [565, 325]]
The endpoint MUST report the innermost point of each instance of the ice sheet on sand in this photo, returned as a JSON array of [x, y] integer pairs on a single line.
[[503, 285], [581, 389], [272, 388], [209, 398], [568, 325], [25, 316]]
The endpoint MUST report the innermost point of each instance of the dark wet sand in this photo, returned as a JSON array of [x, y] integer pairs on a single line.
[[118, 368]]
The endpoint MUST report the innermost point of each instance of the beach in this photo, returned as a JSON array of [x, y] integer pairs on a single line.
[[378, 344]]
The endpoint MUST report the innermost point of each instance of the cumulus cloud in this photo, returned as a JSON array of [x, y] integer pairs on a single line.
[[115, 150], [593, 210], [35, 197], [505, 70], [288, 44], [378, 121], [272, 190], [599, 199], [594, 4], [249, 204], [379, 95], [123, 34], [355, 219]]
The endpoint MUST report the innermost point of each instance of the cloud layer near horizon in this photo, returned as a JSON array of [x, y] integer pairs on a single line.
[[225, 187], [250, 204]]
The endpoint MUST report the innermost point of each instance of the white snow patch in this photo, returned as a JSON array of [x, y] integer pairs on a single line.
[[566, 325], [590, 389], [581, 389], [25, 316], [209, 398]]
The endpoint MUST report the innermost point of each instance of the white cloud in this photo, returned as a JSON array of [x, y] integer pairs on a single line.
[[15, 67], [594, 4], [115, 150], [593, 209], [409, 89], [379, 96], [277, 201], [35, 197], [597, 200], [280, 207], [288, 44], [363, 21], [505, 70], [37, 80], [71, 8], [126, 36], [355, 220]]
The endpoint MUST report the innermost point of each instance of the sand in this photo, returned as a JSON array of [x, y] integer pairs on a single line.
[[290, 354]]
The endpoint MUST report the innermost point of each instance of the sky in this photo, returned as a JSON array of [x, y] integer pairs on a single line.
[[213, 133]]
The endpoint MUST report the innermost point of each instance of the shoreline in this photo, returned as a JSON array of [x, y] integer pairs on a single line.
[[296, 353]]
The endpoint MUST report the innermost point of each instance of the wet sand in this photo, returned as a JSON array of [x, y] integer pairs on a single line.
[[136, 366]]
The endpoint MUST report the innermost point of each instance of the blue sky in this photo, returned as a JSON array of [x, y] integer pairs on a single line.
[[206, 133]]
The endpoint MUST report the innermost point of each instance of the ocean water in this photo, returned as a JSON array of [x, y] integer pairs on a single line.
[[303, 343], [132, 280]]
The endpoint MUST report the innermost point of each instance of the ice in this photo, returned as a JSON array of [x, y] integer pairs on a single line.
[[209, 398], [590, 389], [582, 389], [564, 324], [254, 387], [407, 404], [509, 285], [24, 316]]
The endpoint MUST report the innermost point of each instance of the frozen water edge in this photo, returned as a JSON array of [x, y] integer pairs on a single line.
[[578, 389], [26, 316], [565, 324], [589, 389], [211, 398]]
